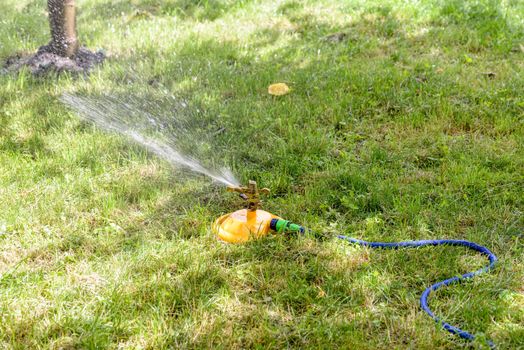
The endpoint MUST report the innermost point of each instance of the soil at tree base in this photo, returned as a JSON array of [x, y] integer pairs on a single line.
[[44, 62]]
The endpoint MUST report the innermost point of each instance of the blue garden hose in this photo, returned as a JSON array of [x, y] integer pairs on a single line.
[[280, 225], [424, 297]]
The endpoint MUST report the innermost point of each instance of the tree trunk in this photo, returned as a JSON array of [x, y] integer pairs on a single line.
[[62, 20]]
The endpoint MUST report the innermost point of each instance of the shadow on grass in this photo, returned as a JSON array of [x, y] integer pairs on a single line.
[[200, 10]]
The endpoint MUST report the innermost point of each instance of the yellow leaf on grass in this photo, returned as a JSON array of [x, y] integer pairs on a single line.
[[278, 89]]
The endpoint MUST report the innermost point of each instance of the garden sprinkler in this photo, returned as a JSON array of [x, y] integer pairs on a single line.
[[253, 223], [250, 222]]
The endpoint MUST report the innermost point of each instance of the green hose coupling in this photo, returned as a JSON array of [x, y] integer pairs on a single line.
[[285, 226]]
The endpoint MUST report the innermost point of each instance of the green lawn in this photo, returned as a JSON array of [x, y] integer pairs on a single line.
[[405, 121]]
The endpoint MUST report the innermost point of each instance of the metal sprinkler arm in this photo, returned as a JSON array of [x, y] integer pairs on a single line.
[[250, 193]]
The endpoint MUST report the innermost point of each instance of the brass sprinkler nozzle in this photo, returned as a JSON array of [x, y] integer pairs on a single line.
[[250, 193]]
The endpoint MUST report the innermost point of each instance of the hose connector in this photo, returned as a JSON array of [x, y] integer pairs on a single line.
[[285, 226]]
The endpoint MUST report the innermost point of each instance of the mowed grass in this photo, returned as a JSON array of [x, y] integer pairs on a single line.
[[405, 121]]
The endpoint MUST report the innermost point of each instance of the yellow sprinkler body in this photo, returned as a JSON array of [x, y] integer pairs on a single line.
[[243, 225], [250, 223]]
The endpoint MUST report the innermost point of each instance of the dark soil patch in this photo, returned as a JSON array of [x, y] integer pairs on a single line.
[[44, 62]]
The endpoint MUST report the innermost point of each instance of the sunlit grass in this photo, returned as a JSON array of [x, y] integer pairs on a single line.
[[405, 121]]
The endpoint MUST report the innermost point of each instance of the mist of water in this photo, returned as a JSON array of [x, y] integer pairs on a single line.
[[114, 115]]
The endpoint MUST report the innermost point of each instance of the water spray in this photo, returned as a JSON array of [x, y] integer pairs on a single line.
[[253, 223]]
